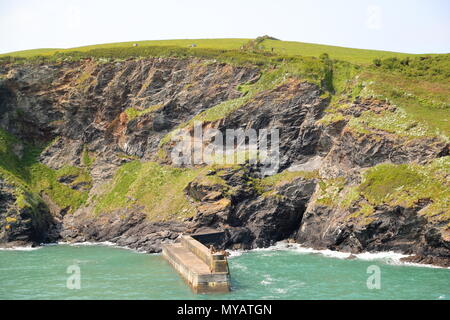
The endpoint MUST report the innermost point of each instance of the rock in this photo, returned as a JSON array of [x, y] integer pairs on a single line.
[[118, 112], [22, 225]]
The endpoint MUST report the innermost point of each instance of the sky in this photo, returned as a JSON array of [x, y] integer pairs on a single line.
[[412, 26]]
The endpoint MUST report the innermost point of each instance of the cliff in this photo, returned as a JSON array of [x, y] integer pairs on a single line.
[[86, 139]]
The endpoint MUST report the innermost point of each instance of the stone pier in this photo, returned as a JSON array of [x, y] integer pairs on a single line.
[[204, 271]]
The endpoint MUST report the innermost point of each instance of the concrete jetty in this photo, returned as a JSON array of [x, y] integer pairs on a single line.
[[204, 271]]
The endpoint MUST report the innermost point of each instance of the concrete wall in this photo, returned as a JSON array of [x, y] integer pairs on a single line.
[[217, 262], [216, 279], [210, 238]]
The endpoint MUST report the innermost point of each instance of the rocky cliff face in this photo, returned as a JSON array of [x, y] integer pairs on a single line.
[[83, 160]]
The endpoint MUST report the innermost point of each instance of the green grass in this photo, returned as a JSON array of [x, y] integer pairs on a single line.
[[86, 159], [221, 44], [358, 56], [9, 161], [423, 100], [397, 122], [31, 178], [45, 180], [431, 67], [419, 91], [158, 189], [404, 185], [30, 53], [283, 48], [80, 175], [133, 113]]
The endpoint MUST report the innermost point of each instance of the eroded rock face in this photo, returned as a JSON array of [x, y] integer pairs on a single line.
[[389, 229], [235, 206], [127, 228], [293, 108], [21, 224], [84, 103], [118, 112]]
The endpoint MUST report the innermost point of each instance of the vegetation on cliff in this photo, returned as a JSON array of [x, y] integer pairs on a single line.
[[376, 96], [157, 189], [405, 185], [20, 167]]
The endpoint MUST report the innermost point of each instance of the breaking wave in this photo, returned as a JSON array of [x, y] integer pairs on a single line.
[[25, 248], [389, 257]]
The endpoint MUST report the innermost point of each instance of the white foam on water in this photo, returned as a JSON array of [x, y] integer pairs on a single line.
[[240, 267], [389, 257], [235, 253], [326, 252], [25, 248], [103, 243], [413, 264], [267, 280], [280, 290], [88, 243]]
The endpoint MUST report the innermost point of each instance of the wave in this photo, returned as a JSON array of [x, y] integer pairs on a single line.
[[86, 243], [72, 244], [267, 280], [102, 243], [24, 248], [389, 257]]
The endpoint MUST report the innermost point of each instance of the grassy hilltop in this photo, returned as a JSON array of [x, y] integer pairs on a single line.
[[360, 56]]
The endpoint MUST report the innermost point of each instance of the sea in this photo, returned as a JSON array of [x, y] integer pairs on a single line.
[[284, 271]]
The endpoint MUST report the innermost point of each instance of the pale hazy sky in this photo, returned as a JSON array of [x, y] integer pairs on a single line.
[[415, 26]]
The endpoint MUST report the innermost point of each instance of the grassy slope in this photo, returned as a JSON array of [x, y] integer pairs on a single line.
[[404, 185], [359, 56], [26, 174], [221, 44], [30, 53], [280, 47], [158, 189], [423, 100]]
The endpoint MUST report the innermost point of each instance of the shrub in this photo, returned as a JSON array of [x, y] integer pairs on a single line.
[[377, 62]]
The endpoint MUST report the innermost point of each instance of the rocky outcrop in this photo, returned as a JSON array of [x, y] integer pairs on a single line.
[[293, 108], [86, 102], [388, 229], [252, 218], [249, 219], [127, 228], [100, 116], [22, 224]]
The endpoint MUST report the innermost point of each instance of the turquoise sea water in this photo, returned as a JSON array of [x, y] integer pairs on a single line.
[[114, 273]]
